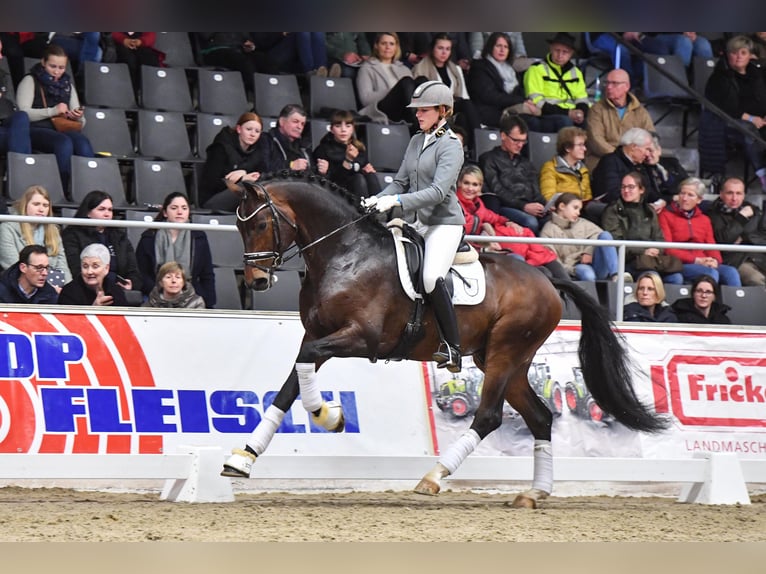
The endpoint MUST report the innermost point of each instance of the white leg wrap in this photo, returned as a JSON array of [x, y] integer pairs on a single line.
[[459, 450], [266, 429], [310, 395], [543, 463]]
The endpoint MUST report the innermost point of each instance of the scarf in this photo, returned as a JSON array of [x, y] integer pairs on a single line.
[[507, 74], [56, 91], [167, 250], [186, 298]]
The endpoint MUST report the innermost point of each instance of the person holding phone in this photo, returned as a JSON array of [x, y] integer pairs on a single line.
[[95, 285], [98, 205]]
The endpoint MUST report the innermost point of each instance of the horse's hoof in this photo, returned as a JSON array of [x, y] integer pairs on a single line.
[[330, 417], [523, 501], [239, 464], [427, 486]]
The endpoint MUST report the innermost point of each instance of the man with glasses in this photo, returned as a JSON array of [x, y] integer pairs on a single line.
[[26, 281], [612, 116], [511, 182], [635, 146]]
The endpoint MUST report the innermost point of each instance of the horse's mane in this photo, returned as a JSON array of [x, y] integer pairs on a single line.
[[346, 202]]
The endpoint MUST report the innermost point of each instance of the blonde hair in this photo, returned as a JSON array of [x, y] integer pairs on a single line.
[[473, 170], [395, 36], [52, 237], [656, 280]]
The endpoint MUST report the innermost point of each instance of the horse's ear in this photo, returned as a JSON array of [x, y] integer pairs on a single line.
[[236, 187]]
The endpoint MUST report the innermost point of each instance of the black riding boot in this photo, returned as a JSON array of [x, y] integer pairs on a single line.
[[448, 354]]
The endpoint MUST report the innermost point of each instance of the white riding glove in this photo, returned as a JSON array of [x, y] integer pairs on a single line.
[[369, 203], [387, 202]]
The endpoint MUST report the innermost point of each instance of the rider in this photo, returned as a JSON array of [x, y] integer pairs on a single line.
[[426, 184]]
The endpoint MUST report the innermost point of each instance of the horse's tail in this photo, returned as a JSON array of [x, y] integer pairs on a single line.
[[606, 365]]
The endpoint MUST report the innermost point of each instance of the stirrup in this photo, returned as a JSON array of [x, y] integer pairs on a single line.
[[449, 357]]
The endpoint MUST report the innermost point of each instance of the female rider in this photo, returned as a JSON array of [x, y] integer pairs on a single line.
[[426, 184]]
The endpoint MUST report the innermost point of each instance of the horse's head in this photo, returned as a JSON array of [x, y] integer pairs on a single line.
[[267, 229]]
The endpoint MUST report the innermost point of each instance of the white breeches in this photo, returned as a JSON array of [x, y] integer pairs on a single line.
[[442, 242]]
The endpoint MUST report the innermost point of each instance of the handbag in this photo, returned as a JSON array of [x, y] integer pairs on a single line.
[[61, 123], [662, 263]]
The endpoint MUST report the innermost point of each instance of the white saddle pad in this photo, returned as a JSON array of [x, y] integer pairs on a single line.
[[469, 283]]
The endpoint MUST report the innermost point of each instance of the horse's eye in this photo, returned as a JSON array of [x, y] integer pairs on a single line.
[[262, 226]]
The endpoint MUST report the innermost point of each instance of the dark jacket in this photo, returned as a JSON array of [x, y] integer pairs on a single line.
[[75, 239], [730, 227], [737, 93], [335, 152], [636, 313], [688, 313], [663, 186], [485, 86], [281, 151], [76, 292], [224, 155], [515, 181], [606, 179], [10, 292], [201, 273], [633, 222]]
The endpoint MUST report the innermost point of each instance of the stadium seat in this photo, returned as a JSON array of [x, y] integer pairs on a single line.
[[385, 177], [329, 94], [154, 179], [163, 135], [221, 92], [165, 89], [275, 91], [484, 140], [662, 91], [35, 169], [386, 144], [108, 86], [319, 128], [674, 292], [227, 289], [208, 126], [283, 295], [571, 311], [541, 148], [89, 173], [134, 233], [748, 304], [225, 246], [177, 48], [109, 132]]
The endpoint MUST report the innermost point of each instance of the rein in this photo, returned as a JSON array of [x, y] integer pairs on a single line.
[[278, 253]]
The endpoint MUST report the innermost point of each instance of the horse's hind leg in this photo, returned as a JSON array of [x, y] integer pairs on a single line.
[[539, 420], [240, 463]]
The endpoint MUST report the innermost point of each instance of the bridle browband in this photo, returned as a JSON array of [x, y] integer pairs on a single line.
[[277, 254]]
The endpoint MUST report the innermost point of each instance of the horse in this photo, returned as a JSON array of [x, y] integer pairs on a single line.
[[352, 304]]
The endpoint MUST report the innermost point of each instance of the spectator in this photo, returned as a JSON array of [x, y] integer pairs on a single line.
[[682, 221], [650, 305], [78, 47], [737, 221], [612, 116], [583, 262], [512, 184], [137, 49], [738, 86], [230, 50], [286, 148], [345, 52], [346, 157], [173, 290], [384, 84], [566, 172], [632, 64], [685, 45], [521, 61], [26, 280], [631, 218], [437, 65], [122, 267], [46, 92], [481, 221], [556, 85], [15, 235], [704, 306], [236, 154], [759, 47], [635, 146], [494, 87], [663, 174], [187, 248], [95, 284]]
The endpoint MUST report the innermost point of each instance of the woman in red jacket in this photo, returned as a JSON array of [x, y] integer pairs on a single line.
[[682, 221], [482, 221]]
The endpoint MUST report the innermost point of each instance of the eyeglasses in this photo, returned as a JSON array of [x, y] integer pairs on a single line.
[[40, 268], [629, 187], [515, 140], [704, 292]]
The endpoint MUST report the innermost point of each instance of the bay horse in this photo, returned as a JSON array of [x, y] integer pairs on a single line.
[[353, 305]]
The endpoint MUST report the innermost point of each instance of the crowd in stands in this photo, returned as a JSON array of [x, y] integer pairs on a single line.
[[606, 177]]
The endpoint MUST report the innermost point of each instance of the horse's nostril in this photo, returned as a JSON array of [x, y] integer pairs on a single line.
[[260, 284]]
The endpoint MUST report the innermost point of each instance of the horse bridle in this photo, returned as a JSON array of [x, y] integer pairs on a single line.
[[277, 254]]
